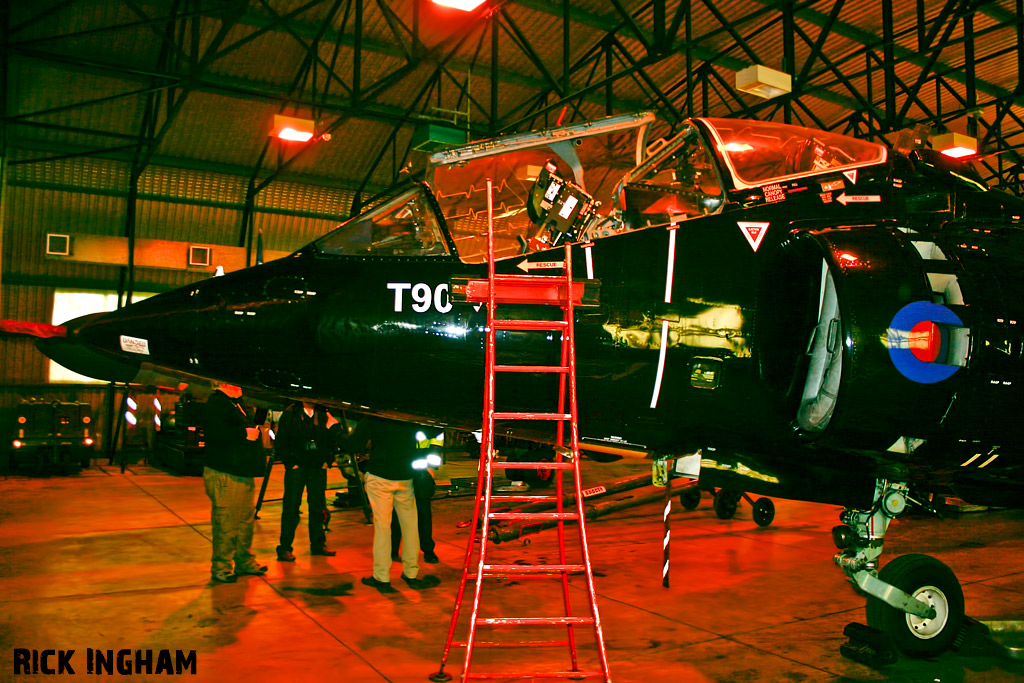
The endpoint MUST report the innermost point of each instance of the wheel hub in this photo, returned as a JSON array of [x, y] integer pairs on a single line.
[[926, 628]]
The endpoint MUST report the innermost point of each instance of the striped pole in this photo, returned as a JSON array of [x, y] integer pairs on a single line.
[[668, 532]]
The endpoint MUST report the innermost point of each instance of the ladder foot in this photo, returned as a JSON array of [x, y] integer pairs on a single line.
[[441, 676]]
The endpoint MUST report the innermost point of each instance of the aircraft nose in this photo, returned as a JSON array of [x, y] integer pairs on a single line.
[[112, 346], [77, 352]]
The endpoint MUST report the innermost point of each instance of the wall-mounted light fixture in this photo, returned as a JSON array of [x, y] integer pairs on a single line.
[[464, 5], [956, 145], [292, 128], [764, 82]]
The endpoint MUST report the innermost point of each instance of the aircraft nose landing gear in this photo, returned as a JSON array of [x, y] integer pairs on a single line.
[[915, 600], [928, 581]]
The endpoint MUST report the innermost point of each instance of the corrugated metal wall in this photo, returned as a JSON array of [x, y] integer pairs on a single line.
[[89, 196], [20, 361]]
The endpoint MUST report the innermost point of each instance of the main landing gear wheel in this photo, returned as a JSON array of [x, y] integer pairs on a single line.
[[764, 511], [935, 584], [726, 502], [690, 498]]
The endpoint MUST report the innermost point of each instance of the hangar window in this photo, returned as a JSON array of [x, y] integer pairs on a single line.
[[73, 303], [403, 226]]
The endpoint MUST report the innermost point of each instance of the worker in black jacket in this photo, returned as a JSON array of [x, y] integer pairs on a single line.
[[233, 458], [423, 487], [306, 441], [389, 475]]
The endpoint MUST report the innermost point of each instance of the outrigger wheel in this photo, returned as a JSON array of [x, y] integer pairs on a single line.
[[764, 511], [690, 497], [932, 582], [726, 502]]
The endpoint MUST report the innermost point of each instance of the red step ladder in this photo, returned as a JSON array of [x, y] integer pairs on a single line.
[[560, 291]]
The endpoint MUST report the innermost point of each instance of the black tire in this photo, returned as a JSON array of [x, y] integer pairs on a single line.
[[930, 580], [764, 511], [726, 502], [690, 498]]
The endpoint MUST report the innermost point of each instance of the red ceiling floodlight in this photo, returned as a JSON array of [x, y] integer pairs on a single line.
[[464, 5], [292, 128], [955, 145]]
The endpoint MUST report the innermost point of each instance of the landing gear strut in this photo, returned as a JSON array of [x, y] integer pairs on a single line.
[[915, 600]]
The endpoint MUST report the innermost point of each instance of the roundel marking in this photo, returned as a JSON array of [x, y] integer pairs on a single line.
[[916, 341], [926, 341]]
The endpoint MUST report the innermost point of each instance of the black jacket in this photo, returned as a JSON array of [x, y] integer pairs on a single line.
[[304, 441], [393, 446], [227, 450]]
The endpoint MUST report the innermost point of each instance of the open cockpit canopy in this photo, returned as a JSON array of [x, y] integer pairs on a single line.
[[594, 155], [609, 163]]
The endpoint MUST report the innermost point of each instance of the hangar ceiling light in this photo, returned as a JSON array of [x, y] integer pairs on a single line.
[[464, 5], [764, 82], [292, 128], [955, 145]]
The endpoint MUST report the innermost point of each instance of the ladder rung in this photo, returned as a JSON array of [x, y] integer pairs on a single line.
[[518, 577], [535, 325], [514, 643], [508, 465], [526, 499], [533, 515], [504, 569], [533, 621], [531, 368], [539, 674], [532, 416]]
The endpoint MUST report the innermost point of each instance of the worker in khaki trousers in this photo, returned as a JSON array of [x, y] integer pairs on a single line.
[[388, 485]]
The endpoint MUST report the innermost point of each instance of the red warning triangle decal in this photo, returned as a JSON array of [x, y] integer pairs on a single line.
[[754, 231], [852, 175]]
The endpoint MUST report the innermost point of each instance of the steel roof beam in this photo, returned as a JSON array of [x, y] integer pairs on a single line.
[[627, 19], [124, 153], [694, 49], [871, 42], [929, 66], [380, 47], [144, 21], [209, 83]]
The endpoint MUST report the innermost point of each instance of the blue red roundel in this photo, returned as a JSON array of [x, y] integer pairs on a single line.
[[918, 341]]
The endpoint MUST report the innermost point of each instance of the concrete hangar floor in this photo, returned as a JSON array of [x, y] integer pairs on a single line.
[[113, 561]]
